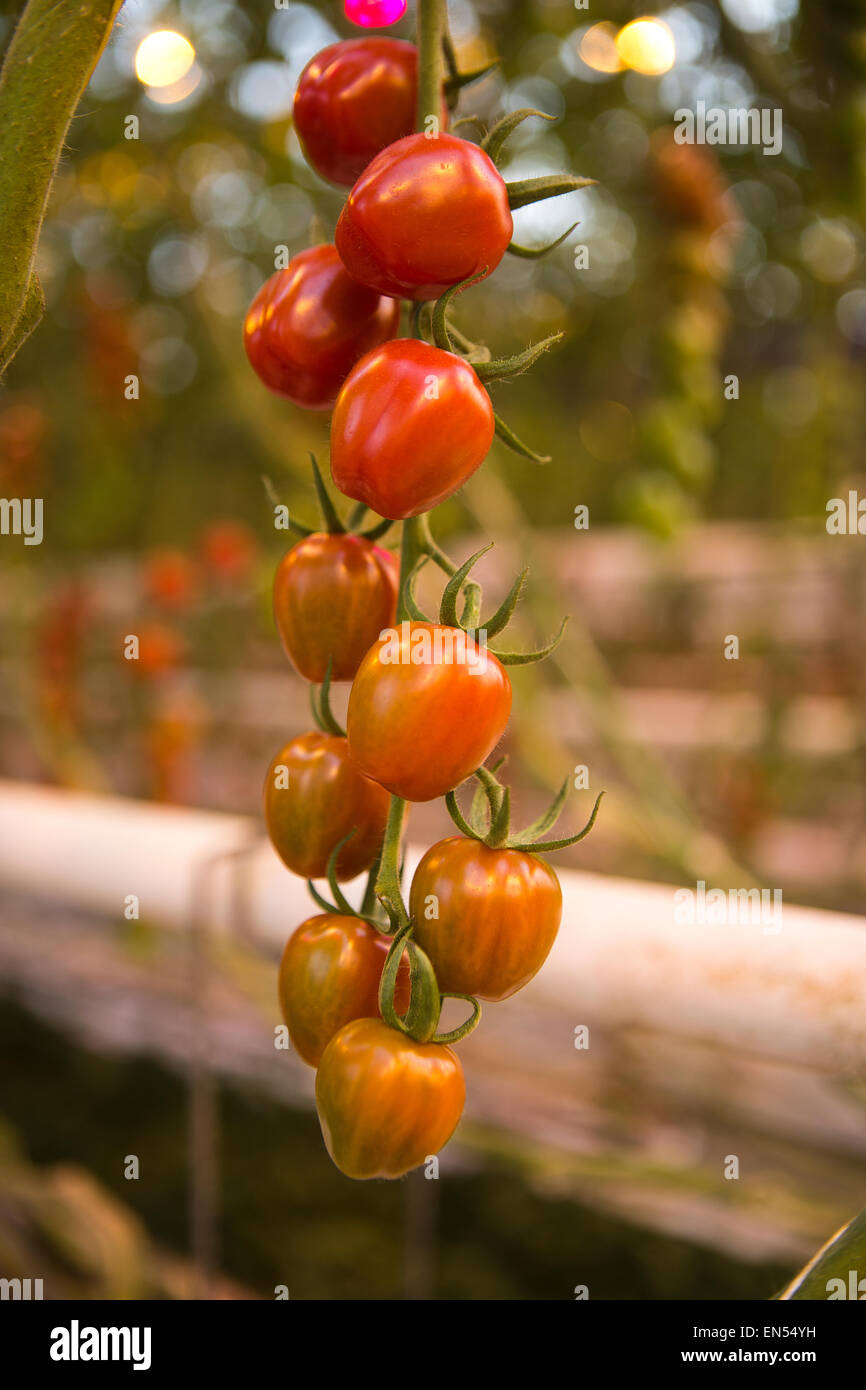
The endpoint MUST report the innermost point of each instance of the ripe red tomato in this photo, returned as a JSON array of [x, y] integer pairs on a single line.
[[326, 797], [411, 424], [329, 975], [425, 214], [425, 709], [494, 915], [333, 595], [385, 1102], [353, 99], [309, 324]]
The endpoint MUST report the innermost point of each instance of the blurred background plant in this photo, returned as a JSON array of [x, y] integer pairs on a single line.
[[707, 510]]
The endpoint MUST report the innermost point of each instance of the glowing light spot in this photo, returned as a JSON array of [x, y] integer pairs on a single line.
[[163, 58], [598, 48], [647, 46], [374, 14]]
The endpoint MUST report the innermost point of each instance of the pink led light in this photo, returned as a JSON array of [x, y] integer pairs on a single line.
[[374, 14]]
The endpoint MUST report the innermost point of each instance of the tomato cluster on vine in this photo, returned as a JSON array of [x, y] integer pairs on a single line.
[[361, 988]]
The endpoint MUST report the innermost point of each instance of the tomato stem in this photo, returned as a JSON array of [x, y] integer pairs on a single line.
[[431, 28], [388, 889]]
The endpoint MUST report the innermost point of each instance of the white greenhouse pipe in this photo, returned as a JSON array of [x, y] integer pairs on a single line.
[[621, 957]]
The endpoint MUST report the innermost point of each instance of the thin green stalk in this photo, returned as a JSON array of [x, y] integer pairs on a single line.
[[430, 31], [411, 549], [388, 889]]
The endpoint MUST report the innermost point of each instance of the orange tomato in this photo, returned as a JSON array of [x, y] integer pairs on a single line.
[[333, 595], [386, 1103], [487, 918], [329, 975], [426, 708], [325, 797]]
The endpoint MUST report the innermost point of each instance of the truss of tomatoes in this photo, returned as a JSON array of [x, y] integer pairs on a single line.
[[361, 989]]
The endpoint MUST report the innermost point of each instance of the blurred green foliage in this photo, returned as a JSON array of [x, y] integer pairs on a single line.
[[154, 246]]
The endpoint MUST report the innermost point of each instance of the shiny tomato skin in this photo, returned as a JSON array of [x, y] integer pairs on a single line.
[[329, 975], [326, 797], [333, 595], [386, 1102], [309, 324], [352, 100], [424, 215], [411, 424], [421, 727], [498, 916]]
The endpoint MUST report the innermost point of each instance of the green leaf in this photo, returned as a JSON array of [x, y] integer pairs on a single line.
[[844, 1252], [48, 63], [31, 313]]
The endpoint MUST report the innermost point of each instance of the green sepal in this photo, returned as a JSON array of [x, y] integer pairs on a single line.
[[517, 446], [273, 498], [373, 533], [439, 322], [470, 618], [505, 611], [547, 821], [495, 139], [527, 658], [526, 191], [464, 1029], [454, 85], [320, 901], [497, 834], [451, 592], [532, 253], [506, 367], [547, 846], [459, 819], [330, 521], [425, 1003]]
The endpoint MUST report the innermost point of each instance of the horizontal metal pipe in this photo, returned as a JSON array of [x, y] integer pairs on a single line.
[[791, 987]]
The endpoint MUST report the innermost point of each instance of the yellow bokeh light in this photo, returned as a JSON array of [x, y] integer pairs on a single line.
[[598, 48], [646, 45], [163, 58]]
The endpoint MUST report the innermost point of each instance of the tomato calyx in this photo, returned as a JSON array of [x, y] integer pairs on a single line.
[[502, 368], [421, 1019], [490, 816], [456, 80], [468, 619], [494, 141], [331, 522], [522, 192], [449, 339]]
